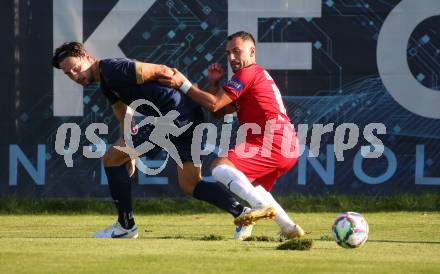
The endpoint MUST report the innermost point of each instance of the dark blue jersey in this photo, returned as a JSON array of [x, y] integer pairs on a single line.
[[121, 80]]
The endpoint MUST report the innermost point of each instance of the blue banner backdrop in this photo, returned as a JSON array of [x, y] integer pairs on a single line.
[[343, 66]]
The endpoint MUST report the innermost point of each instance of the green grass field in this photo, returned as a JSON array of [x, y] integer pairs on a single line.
[[399, 242]]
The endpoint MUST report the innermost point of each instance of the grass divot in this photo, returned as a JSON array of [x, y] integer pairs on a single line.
[[296, 244], [261, 239], [212, 237]]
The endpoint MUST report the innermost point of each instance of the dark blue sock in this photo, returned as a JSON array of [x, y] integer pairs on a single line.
[[217, 195], [120, 188]]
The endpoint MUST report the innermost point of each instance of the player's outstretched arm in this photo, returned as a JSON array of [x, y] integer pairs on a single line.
[[212, 102], [151, 72]]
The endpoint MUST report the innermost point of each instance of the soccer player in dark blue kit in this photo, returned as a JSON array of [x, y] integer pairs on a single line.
[[123, 81]]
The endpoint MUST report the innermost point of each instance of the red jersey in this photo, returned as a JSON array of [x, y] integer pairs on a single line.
[[258, 100], [257, 97]]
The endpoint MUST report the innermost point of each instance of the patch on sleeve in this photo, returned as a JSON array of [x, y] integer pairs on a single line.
[[235, 84]]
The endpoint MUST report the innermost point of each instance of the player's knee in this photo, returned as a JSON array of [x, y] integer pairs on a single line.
[[220, 161], [107, 159], [214, 164], [188, 177]]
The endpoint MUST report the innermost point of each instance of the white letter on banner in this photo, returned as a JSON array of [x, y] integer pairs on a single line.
[[392, 57], [244, 14], [102, 43]]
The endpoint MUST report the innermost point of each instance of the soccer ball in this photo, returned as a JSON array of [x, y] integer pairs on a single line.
[[350, 230]]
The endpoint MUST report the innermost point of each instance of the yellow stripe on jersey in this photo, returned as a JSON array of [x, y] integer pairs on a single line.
[[139, 75]]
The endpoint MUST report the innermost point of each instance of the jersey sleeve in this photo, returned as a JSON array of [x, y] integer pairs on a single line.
[[122, 72], [239, 83]]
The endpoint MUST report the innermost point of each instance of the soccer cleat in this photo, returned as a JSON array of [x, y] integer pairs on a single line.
[[292, 232], [242, 232], [117, 231], [250, 215]]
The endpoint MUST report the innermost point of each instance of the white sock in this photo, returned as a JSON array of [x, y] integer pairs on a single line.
[[238, 184], [281, 218]]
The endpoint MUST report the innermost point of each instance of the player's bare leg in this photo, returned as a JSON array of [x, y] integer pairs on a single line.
[[224, 171], [114, 157], [189, 176]]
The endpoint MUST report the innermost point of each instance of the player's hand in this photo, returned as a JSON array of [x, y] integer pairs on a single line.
[[215, 73], [163, 70], [175, 81]]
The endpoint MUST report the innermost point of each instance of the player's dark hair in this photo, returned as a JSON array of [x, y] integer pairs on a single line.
[[243, 35], [70, 49]]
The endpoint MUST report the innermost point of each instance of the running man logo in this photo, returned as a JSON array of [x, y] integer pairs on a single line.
[[164, 127]]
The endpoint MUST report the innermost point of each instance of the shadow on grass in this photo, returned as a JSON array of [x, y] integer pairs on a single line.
[[404, 242], [44, 237], [328, 239], [170, 237], [208, 238]]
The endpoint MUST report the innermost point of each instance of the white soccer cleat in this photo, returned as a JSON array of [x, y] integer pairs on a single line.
[[292, 232], [117, 231], [250, 215], [242, 232]]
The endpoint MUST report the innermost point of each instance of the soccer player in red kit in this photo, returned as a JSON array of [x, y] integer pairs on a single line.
[[251, 168]]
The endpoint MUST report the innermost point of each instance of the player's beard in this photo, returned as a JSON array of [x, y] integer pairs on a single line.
[[236, 66], [88, 80], [90, 75], [83, 82]]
